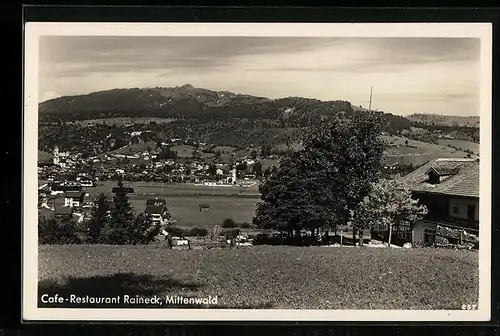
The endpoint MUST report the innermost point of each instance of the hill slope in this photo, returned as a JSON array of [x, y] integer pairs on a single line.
[[188, 102], [445, 120]]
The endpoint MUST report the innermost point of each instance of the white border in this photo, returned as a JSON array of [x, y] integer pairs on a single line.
[[30, 310]]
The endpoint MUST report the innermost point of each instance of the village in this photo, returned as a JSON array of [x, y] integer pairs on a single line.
[[449, 187]]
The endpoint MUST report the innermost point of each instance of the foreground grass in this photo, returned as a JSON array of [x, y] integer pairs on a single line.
[[269, 276]]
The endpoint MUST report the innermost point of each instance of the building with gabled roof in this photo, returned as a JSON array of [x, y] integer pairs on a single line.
[[157, 213], [452, 177], [449, 188], [74, 198]]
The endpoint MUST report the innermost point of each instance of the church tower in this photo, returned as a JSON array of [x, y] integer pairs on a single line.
[[56, 159], [233, 172]]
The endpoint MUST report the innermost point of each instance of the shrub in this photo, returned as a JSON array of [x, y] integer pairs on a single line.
[[176, 231], [261, 238], [55, 231], [231, 233], [196, 231], [245, 225], [228, 223], [441, 240]]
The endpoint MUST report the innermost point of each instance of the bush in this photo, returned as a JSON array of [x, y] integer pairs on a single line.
[[441, 240], [176, 231], [231, 233], [196, 231], [261, 239], [55, 231], [245, 225], [228, 223]]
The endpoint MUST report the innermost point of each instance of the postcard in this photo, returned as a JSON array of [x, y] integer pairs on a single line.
[[257, 171]]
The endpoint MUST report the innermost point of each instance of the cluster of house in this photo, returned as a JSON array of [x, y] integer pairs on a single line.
[[145, 167], [448, 187], [67, 200]]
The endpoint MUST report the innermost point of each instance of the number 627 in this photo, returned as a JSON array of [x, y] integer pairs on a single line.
[[469, 306]]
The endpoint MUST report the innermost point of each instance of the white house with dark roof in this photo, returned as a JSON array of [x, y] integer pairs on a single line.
[[74, 198], [449, 188], [157, 213]]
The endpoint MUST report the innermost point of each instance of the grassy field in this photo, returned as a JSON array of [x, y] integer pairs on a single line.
[[225, 149], [185, 209], [135, 148], [183, 151], [461, 144], [417, 152], [276, 277], [183, 201], [178, 189], [472, 121]]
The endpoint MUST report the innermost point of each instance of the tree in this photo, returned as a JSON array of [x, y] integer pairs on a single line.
[[388, 202], [212, 169], [228, 223], [167, 153], [143, 231], [242, 166], [257, 169], [56, 231], [265, 151], [122, 218], [47, 230], [99, 218], [323, 183]]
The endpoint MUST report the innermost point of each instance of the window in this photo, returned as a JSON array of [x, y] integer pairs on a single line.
[[405, 230], [429, 235], [433, 177], [456, 210]]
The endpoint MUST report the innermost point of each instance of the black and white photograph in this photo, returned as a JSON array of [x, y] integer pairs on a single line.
[[286, 172]]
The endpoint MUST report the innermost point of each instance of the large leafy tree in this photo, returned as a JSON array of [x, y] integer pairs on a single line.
[[322, 184], [388, 202]]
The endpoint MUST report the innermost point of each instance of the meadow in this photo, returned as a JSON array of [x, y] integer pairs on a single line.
[[275, 277], [416, 152], [183, 201], [175, 189], [185, 209], [461, 144]]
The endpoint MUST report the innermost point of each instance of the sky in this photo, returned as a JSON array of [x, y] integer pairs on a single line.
[[408, 75]]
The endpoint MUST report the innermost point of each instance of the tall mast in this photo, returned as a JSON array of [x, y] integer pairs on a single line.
[[370, 106]]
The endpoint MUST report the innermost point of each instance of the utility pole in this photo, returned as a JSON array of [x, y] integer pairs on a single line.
[[370, 106]]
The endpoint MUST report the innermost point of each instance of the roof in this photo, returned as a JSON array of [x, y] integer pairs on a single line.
[[155, 209], [155, 201], [444, 171], [63, 210], [74, 194], [460, 177]]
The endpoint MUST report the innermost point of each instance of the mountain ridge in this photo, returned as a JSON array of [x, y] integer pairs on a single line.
[[189, 102]]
